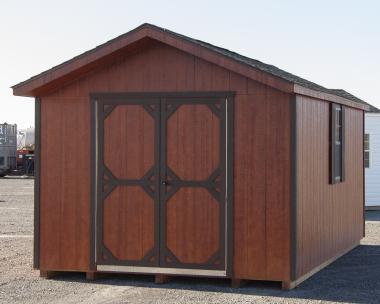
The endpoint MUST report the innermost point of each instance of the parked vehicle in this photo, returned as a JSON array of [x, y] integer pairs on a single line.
[[25, 162], [25, 151], [8, 147]]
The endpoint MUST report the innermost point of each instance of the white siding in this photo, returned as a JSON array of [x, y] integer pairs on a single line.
[[372, 174]]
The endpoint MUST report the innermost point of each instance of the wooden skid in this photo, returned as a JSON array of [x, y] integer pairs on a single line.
[[161, 279], [48, 274], [94, 275], [237, 283]]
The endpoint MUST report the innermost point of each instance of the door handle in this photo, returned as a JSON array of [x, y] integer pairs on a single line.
[[164, 182]]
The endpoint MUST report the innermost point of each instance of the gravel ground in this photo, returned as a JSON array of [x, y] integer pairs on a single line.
[[354, 278]]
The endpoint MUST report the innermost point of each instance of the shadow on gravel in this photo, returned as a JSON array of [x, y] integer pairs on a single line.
[[354, 278], [373, 215]]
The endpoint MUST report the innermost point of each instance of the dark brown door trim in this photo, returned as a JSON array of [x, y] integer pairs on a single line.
[[215, 184], [107, 182], [101, 105]]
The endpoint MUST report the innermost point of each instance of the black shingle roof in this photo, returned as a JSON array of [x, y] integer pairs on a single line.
[[253, 63], [347, 95], [373, 109], [270, 69]]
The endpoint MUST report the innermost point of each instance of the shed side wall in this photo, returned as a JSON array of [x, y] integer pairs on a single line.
[[261, 159], [329, 217]]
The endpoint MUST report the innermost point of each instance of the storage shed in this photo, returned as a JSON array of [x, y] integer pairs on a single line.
[[163, 154], [372, 159]]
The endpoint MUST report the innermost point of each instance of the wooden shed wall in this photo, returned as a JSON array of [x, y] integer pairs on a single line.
[[64, 183], [329, 217], [261, 159]]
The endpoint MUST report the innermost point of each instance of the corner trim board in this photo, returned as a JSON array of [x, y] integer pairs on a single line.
[[93, 178], [293, 187], [37, 152]]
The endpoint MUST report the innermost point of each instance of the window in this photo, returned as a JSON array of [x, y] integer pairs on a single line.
[[336, 143], [366, 150], [1, 161]]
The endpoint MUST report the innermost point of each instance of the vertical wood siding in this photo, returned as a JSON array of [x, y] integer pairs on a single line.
[[261, 159], [261, 200], [64, 186], [329, 217]]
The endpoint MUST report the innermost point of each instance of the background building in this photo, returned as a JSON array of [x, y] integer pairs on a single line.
[[372, 158]]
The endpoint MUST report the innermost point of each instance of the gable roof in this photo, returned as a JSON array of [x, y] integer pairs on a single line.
[[373, 109], [146, 33], [347, 95]]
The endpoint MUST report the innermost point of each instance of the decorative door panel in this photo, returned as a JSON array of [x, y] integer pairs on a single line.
[[128, 191], [193, 183], [161, 181]]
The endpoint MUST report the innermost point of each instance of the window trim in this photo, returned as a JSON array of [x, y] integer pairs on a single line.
[[333, 174]]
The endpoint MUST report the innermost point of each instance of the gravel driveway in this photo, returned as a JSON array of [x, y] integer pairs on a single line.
[[354, 278]]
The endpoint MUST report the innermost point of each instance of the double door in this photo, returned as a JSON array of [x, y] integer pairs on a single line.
[[162, 170]]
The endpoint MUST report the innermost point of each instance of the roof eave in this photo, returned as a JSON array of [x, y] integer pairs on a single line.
[[329, 97], [65, 72], [30, 87]]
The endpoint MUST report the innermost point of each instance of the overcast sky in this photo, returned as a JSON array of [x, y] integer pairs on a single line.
[[333, 43]]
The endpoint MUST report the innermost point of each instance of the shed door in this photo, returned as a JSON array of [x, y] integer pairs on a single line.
[[161, 183], [128, 177], [193, 158]]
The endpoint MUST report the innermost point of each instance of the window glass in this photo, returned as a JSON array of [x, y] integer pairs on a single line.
[[338, 125], [336, 144]]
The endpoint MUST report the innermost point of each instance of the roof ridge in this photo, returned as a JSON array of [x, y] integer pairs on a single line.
[[252, 63], [265, 67]]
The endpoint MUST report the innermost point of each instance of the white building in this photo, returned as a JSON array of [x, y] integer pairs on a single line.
[[372, 159], [25, 139]]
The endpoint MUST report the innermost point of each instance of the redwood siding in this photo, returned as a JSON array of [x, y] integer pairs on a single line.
[[64, 185], [261, 159], [261, 200], [329, 217]]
